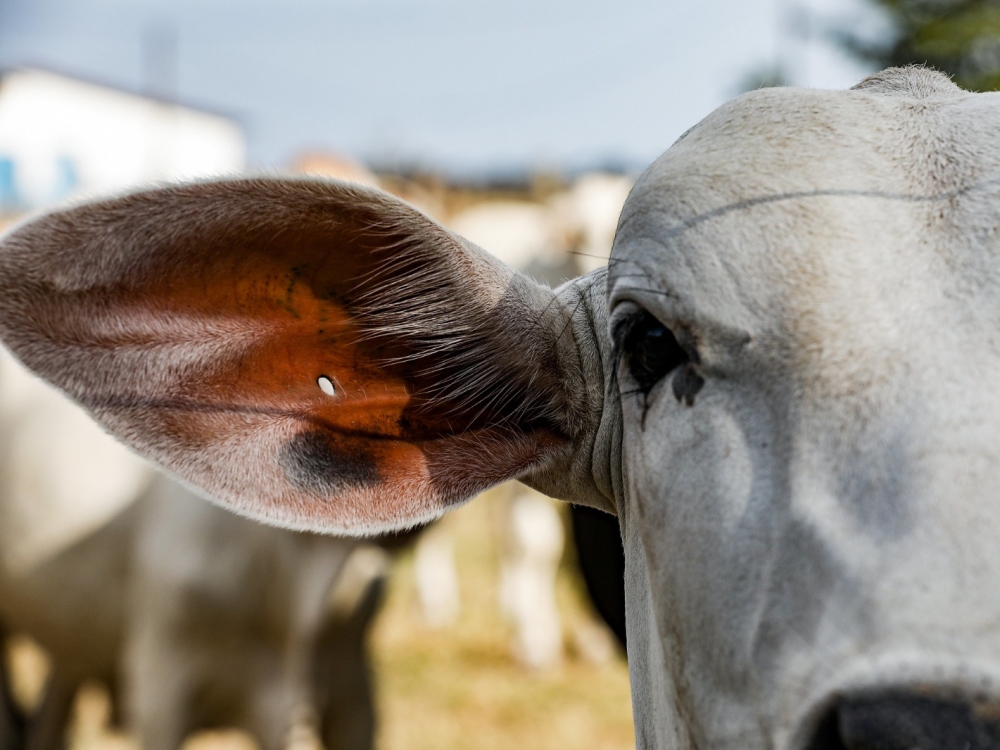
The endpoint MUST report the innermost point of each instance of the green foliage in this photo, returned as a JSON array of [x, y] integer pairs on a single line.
[[958, 37]]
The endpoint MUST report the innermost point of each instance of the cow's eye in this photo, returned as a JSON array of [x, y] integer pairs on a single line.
[[650, 350]]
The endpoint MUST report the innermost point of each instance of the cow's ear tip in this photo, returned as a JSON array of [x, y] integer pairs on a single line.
[[359, 517]]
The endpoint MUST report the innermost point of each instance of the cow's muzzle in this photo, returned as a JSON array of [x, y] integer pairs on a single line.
[[911, 719]]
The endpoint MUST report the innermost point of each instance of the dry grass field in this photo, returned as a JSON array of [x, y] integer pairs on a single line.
[[457, 688], [460, 689]]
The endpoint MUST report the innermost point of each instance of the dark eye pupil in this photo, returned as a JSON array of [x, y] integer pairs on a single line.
[[652, 352]]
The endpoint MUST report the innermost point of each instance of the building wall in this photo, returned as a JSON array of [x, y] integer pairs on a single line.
[[62, 137]]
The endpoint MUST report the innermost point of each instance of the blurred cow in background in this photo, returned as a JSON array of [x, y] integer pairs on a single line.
[[334, 166], [11, 720], [195, 618], [588, 215], [552, 241], [533, 547]]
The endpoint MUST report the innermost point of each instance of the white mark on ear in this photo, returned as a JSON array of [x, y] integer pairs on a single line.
[[326, 385]]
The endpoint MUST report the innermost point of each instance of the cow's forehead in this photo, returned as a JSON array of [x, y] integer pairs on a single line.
[[785, 198]]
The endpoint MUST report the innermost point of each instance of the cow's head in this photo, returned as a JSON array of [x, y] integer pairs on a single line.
[[785, 385]]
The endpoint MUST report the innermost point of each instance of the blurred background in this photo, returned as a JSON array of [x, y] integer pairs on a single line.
[[521, 124]]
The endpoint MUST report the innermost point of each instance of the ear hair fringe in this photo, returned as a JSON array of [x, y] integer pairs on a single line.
[[456, 342]]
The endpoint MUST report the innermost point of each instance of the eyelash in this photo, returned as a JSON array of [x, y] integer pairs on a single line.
[[649, 349]]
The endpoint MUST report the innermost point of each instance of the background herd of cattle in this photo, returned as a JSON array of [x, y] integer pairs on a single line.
[[196, 618]]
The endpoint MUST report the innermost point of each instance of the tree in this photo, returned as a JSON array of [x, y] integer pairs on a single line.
[[958, 37]]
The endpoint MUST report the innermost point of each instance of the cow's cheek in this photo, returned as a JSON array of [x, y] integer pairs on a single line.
[[705, 500]]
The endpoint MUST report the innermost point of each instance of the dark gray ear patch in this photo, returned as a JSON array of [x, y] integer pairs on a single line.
[[313, 462]]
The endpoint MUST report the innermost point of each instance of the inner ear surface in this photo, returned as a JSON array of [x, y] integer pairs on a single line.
[[199, 331]]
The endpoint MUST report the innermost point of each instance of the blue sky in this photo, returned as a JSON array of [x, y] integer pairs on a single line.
[[466, 86]]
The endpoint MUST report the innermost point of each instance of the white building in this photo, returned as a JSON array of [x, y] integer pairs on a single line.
[[61, 136]]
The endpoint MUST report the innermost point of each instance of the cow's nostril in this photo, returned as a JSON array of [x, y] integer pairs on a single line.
[[909, 721]]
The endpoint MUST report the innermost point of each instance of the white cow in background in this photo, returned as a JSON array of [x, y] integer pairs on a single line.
[[524, 233], [61, 476], [784, 385], [549, 241], [533, 548], [588, 213], [574, 227], [436, 577], [195, 618]]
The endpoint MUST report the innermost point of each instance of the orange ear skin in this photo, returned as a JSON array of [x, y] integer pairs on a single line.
[[195, 322]]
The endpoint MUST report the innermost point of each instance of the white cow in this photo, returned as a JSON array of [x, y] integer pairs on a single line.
[[588, 213], [533, 547], [522, 234], [11, 720], [784, 385], [196, 618]]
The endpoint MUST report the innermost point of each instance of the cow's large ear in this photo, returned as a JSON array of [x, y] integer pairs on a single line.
[[314, 354]]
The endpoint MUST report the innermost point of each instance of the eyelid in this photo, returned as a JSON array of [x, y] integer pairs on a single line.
[[621, 318], [624, 318]]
